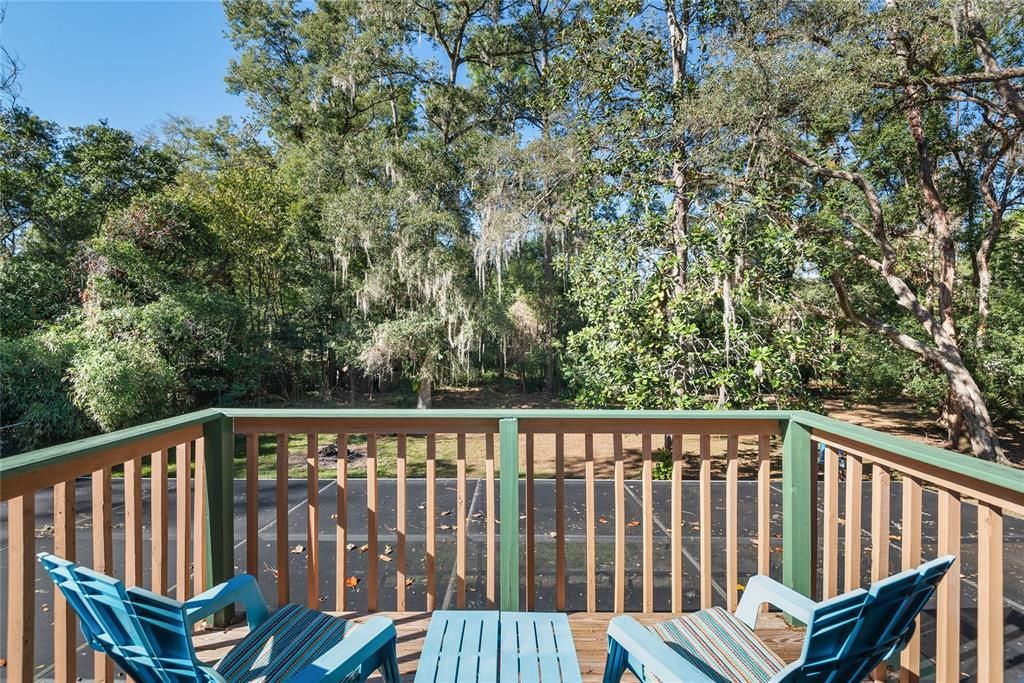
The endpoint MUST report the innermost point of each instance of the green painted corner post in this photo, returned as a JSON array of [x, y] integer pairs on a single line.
[[219, 440], [508, 449], [798, 509]]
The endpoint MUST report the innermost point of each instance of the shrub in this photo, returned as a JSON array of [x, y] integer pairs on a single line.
[[34, 401], [122, 381]]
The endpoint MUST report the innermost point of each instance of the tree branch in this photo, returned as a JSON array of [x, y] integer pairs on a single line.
[[881, 327]]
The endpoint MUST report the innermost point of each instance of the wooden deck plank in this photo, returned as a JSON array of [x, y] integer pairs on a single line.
[[588, 631]]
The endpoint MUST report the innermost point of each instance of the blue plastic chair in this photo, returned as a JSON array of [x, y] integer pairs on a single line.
[[148, 635], [847, 636]]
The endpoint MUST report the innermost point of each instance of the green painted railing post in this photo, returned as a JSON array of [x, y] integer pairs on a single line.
[[508, 445], [219, 440], [798, 513]]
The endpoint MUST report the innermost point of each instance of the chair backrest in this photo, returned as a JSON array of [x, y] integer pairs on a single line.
[[144, 633], [853, 633]]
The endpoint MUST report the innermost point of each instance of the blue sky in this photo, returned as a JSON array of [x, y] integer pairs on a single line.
[[132, 63]]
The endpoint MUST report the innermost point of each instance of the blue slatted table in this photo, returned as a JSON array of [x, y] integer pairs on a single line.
[[487, 647]]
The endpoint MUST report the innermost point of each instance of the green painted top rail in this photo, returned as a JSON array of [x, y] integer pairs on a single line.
[[500, 413], [982, 470], [54, 455]]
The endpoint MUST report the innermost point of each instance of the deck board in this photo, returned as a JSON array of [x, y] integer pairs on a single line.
[[588, 631]]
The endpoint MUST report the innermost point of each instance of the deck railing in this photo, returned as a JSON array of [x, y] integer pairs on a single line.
[[514, 575]]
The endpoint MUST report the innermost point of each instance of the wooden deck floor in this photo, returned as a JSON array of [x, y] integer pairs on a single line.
[[588, 631]]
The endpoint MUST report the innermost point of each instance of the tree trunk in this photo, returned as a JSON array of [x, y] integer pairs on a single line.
[[679, 45], [549, 332], [728, 319], [985, 280], [424, 394], [1005, 88], [954, 417], [972, 410]]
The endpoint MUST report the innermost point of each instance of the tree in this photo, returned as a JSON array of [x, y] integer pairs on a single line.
[[10, 67], [390, 136], [890, 181], [684, 264]]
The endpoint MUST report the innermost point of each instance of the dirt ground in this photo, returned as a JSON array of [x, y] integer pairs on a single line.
[[892, 417]]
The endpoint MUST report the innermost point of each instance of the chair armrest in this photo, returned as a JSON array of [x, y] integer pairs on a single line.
[[242, 588], [648, 653], [761, 589], [362, 645]]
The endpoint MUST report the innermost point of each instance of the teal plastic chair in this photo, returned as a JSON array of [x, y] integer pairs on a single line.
[[847, 636], [148, 635]]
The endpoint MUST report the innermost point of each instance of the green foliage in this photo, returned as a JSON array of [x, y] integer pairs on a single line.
[[34, 398], [874, 371], [122, 381], [662, 470], [445, 192]]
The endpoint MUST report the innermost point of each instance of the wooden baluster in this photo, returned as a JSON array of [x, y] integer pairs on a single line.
[[764, 506], [732, 577], [705, 522], [677, 523], [371, 523], [199, 515], [102, 553], [341, 523], [620, 524], [880, 492], [64, 632], [830, 560], [560, 573], [990, 593], [21, 579], [183, 521], [910, 658], [158, 520], [815, 555], [588, 470], [133, 522], [431, 527], [252, 504], [281, 502], [313, 520], [529, 502], [460, 522], [851, 530], [647, 493], [492, 575], [400, 514], [947, 614]]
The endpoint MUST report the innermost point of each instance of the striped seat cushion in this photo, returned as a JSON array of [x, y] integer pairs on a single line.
[[721, 646], [277, 649]]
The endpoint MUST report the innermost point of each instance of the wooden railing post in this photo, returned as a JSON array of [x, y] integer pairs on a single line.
[[218, 527], [798, 513], [508, 447], [20, 598]]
